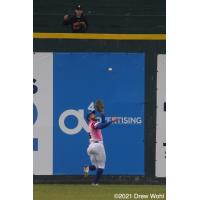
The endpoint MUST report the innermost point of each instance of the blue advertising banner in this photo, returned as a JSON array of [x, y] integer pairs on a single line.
[[117, 79]]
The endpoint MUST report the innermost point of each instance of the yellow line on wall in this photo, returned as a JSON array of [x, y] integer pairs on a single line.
[[99, 36]]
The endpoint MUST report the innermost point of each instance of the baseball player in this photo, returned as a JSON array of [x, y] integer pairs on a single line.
[[96, 149]]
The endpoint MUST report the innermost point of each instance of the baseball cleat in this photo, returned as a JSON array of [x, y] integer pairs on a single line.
[[95, 184], [86, 170]]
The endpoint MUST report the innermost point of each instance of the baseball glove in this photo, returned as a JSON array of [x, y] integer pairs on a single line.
[[99, 106]]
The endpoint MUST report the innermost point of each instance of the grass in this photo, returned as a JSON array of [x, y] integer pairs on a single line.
[[88, 192]]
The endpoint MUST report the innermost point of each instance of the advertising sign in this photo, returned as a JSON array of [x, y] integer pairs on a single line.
[[78, 80], [161, 118], [42, 113]]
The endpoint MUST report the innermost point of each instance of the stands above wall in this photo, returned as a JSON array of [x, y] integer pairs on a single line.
[[113, 16]]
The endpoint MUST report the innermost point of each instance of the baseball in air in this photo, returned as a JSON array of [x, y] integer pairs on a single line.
[[109, 69]]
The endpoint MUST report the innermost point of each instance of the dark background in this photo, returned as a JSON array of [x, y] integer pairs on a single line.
[[104, 16]]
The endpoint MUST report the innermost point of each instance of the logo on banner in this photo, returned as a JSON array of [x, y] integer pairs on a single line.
[[82, 124], [35, 88], [35, 111], [35, 116], [79, 114]]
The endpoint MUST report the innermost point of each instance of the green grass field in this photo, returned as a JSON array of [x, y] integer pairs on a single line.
[[101, 192]]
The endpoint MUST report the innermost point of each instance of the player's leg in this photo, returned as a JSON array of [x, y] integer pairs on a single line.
[[94, 162], [86, 170], [91, 152], [100, 160]]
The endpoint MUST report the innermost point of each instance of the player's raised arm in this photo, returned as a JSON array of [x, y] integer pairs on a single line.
[[99, 106], [104, 123]]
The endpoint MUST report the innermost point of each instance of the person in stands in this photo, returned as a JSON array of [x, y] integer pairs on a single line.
[[78, 21]]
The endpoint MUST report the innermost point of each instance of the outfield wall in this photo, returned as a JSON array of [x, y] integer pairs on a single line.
[[69, 48]]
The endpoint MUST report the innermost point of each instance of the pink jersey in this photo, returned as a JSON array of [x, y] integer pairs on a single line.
[[94, 133]]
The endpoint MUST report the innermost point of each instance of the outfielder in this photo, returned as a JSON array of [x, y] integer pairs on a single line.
[[96, 149]]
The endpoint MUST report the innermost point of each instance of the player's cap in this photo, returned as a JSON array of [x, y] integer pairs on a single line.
[[89, 113], [79, 7]]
